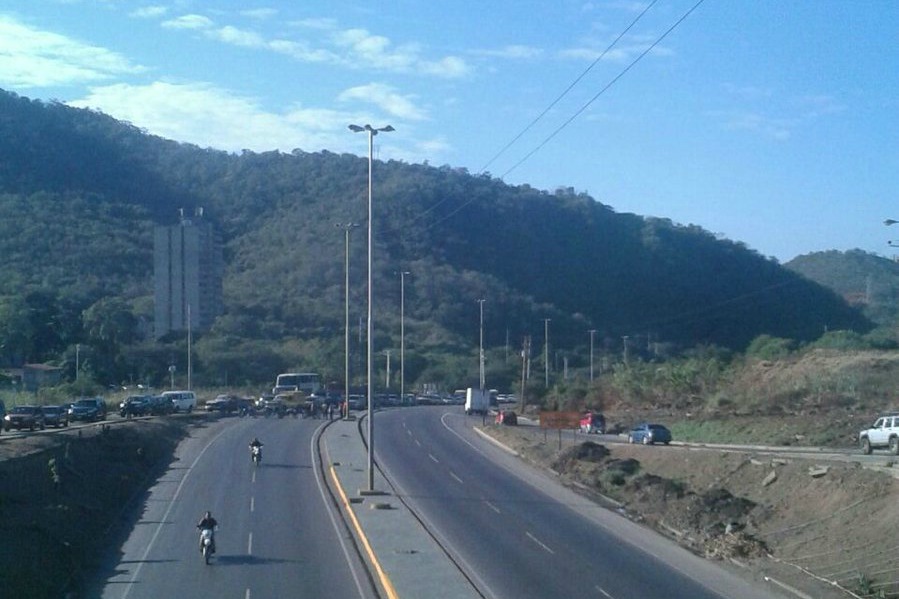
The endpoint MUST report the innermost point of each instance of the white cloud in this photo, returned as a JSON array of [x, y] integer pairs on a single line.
[[209, 116], [322, 24], [149, 12], [237, 37], [33, 58], [366, 50], [302, 52], [513, 51], [260, 13], [189, 22], [385, 98]]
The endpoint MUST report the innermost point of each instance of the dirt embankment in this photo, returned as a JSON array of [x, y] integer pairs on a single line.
[[805, 522], [62, 496]]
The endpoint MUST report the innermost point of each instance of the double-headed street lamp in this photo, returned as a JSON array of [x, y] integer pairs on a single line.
[[347, 227], [372, 131], [889, 222]]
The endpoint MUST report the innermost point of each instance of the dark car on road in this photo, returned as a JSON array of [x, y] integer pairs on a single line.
[[647, 434], [226, 404], [134, 405], [157, 405], [55, 416], [88, 410], [507, 417], [21, 417]]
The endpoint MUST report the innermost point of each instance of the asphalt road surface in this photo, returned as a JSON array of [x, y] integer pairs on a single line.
[[278, 535], [518, 533]]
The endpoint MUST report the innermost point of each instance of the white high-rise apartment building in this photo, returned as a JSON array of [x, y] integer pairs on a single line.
[[187, 270]]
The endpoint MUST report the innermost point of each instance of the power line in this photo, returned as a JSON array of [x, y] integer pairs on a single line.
[[604, 89], [570, 87], [545, 111], [613, 81]]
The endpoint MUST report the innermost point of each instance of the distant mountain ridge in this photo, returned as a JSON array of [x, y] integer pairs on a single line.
[[865, 280], [80, 193]]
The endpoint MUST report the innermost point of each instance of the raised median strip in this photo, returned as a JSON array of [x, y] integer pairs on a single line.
[[406, 560]]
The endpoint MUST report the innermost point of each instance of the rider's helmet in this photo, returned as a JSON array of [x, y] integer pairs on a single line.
[[208, 515], [255, 441]]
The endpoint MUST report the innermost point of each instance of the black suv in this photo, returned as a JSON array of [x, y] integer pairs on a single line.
[[88, 410], [30, 417], [135, 405]]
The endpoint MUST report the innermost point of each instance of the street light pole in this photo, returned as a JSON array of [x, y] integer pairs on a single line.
[[372, 131], [591, 331], [346, 314], [403, 274], [481, 346], [546, 351]]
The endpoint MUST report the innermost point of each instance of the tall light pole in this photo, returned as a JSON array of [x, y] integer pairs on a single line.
[[372, 131], [189, 366], [591, 331], [403, 274], [481, 345], [347, 227], [546, 351]]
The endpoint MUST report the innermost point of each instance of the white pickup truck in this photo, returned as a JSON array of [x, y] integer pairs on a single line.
[[883, 433]]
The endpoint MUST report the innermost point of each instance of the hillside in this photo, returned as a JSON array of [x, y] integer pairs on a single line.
[[865, 280], [80, 193]]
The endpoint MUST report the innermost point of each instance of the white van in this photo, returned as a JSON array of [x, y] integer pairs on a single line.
[[182, 401]]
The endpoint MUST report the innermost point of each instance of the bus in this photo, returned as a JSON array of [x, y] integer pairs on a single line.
[[307, 382]]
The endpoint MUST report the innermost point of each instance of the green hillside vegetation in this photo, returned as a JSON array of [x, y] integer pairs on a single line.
[[80, 194], [865, 280]]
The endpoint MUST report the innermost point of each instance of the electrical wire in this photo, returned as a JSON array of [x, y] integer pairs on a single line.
[[604, 89], [552, 104], [558, 130], [570, 87]]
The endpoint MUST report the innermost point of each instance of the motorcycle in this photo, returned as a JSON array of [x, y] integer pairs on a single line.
[[256, 451], [207, 543]]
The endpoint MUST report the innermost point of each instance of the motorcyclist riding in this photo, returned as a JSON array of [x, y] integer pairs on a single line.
[[207, 523], [256, 447]]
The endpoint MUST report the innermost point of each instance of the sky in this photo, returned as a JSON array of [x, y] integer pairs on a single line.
[[774, 123]]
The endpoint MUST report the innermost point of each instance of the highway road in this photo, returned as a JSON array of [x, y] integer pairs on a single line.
[[278, 534], [518, 533]]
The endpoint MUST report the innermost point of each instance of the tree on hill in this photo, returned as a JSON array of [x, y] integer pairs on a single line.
[[81, 192]]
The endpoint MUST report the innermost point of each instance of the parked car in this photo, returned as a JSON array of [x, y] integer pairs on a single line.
[[88, 409], [20, 417], [226, 404], [135, 405], [593, 422], [182, 401], [884, 433], [647, 434], [507, 417], [158, 405], [55, 416]]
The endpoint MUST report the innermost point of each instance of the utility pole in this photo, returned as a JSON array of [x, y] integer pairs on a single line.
[[624, 339], [481, 345], [592, 332], [546, 351], [525, 351]]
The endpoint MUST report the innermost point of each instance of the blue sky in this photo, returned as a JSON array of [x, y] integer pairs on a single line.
[[770, 122]]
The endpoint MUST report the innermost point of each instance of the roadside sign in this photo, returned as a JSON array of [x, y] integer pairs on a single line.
[[560, 420]]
